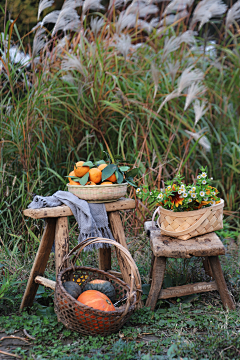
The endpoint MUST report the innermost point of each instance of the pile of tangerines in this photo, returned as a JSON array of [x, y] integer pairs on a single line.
[[95, 175]]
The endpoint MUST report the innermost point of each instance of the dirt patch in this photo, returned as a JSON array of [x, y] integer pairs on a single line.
[[8, 343]]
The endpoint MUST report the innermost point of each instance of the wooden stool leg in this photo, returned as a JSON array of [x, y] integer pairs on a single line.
[[104, 259], [207, 266], [61, 242], [221, 284], [118, 233], [40, 262], [158, 271], [151, 268]]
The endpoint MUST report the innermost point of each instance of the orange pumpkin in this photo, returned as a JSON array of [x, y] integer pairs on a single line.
[[96, 300]]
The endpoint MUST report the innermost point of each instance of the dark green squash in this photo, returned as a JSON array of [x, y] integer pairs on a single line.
[[103, 286], [72, 288]]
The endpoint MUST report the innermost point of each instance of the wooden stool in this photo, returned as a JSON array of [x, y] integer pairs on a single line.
[[57, 228], [208, 246]]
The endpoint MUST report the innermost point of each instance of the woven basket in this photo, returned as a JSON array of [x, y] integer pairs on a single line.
[[84, 319], [187, 224], [99, 193]]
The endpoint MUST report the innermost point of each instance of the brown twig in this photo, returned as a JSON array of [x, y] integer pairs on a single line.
[[27, 335], [9, 354], [14, 337]]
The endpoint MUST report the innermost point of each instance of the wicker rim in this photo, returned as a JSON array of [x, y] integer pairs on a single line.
[[135, 276], [96, 186], [205, 213]]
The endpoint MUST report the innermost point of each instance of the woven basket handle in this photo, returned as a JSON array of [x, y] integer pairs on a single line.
[[183, 232], [135, 276]]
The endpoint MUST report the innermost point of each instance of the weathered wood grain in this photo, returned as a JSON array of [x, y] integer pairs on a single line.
[[205, 245], [61, 242], [116, 226], [189, 289], [45, 282], [158, 271], [40, 262], [60, 211], [104, 258], [221, 284]]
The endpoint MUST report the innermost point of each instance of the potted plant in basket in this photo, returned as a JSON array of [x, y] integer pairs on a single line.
[[184, 210]]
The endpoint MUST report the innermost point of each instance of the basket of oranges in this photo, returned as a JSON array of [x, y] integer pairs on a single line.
[[92, 308], [100, 182]]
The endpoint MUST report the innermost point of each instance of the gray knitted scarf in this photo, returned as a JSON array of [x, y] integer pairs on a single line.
[[91, 218]]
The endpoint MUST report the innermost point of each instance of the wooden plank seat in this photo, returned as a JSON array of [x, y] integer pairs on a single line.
[[56, 227], [207, 246]]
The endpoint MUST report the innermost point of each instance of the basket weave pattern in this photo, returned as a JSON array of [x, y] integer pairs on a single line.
[[99, 193], [84, 319], [188, 224]]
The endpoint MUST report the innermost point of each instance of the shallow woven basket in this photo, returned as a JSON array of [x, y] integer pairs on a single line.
[[99, 193], [84, 319], [187, 224]]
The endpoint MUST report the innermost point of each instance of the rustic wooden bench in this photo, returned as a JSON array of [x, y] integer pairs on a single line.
[[57, 228], [207, 246]]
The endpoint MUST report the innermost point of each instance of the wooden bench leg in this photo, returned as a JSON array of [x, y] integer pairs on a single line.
[[158, 271], [105, 259], [118, 233], [207, 267], [221, 284], [61, 242], [40, 262]]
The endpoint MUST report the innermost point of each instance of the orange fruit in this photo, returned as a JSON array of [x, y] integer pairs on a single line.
[[102, 166], [106, 183], [90, 183], [79, 169], [95, 175], [112, 178], [71, 182], [72, 173]]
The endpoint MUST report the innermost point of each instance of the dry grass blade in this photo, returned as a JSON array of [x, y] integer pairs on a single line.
[[207, 9], [233, 14], [38, 42], [193, 92], [51, 17], [173, 68], [115, 3], [141, 9], [123, 44], [96, 25], [203, 141], [170, 19], [66, 16], [73, 63], [177, 5], [91, 4], [125, 20], [199, 110], [44, 4], [188, 77]]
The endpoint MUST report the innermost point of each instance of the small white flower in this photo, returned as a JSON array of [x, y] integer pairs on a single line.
[[205, 199], [203, 174], [193, 195], [204, 182], [160, 196], [185, 195], [193, 188], [179, 192], [212, 202], [190, 192], [211, 178], [213, 193], [150, 193], [169, 187], [182, 187], [138, 189], [202, 193], [189, 200], [199, 177]]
